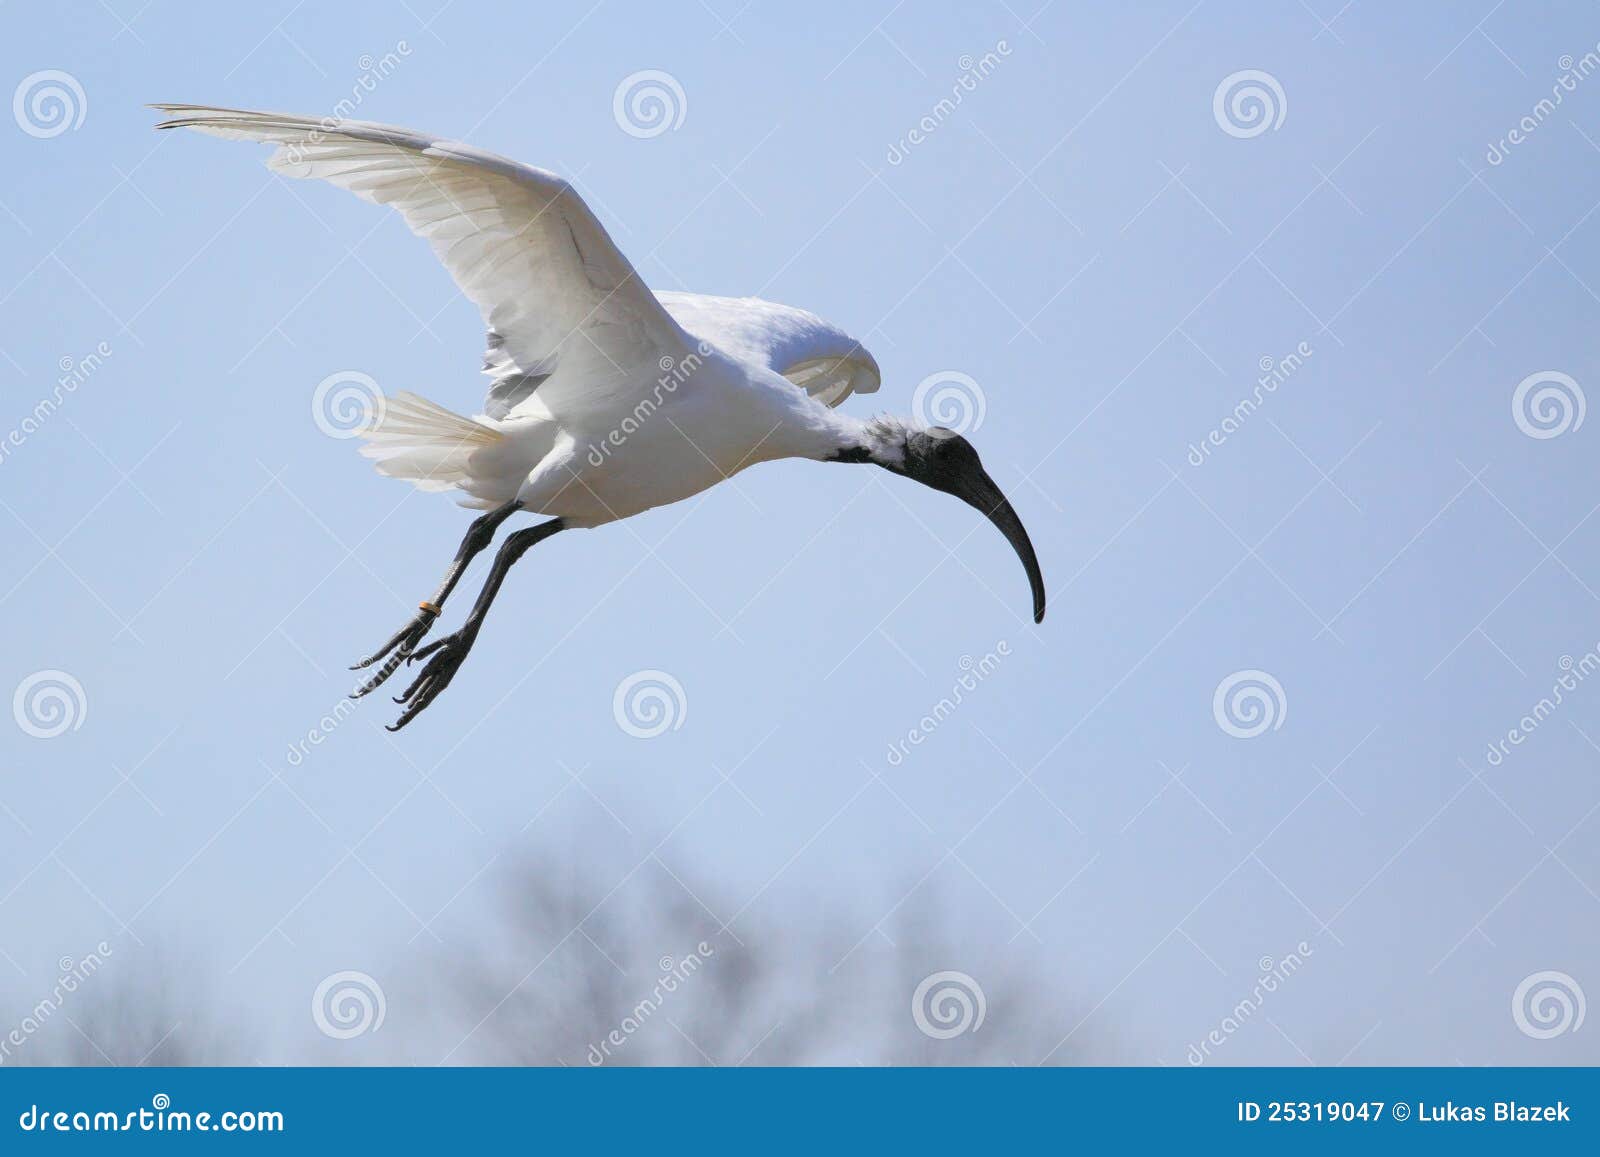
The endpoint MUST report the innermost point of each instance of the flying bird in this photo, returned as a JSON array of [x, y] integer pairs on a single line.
[[606, 398]]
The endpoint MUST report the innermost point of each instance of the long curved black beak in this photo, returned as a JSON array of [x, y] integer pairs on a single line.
[[977, 489]]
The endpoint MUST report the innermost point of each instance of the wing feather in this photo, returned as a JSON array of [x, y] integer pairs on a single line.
[[565, 309], [815, 355]]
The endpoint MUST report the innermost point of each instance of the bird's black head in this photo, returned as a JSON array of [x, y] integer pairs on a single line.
[[946, 461], [940, 458]]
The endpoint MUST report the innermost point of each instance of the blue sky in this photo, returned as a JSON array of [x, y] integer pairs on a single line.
[[1089, 244]]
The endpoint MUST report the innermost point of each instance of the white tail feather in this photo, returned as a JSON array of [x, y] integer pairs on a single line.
[[432, 447]]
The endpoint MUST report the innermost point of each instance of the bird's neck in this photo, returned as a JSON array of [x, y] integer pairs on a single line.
[[879, 440], [808, 428]]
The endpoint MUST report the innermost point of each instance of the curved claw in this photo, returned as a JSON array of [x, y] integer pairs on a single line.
[[401, 644], [406, 695], [390, 666], [413, 656], [434, 677]]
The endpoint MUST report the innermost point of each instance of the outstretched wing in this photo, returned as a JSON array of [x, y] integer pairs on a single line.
[[567, 313], [818, 357]]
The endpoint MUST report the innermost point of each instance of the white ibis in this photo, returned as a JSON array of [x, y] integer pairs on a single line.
[[606, 399]]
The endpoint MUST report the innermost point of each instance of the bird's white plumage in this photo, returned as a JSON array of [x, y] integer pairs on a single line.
[[561, 301], [582, 354], [607, 399], [815, 355]]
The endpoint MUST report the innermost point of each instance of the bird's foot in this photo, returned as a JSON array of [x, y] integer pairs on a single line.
[[401, 644], [448, 655]]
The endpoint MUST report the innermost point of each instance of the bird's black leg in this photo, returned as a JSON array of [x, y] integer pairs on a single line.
[[449, 652], [479, 535]]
